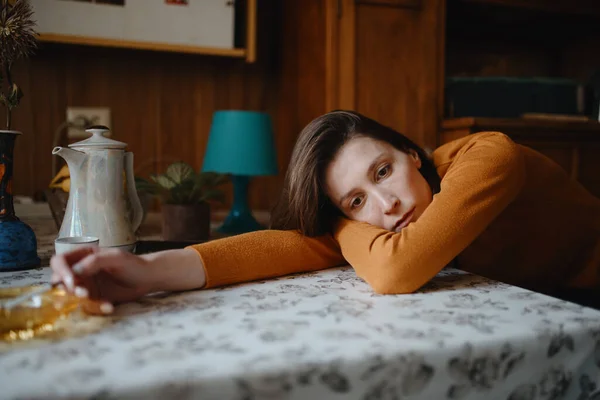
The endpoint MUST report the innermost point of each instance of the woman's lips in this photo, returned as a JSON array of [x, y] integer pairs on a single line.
[[405, 220]]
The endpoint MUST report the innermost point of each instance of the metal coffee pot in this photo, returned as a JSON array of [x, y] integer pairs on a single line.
[[100, 203]]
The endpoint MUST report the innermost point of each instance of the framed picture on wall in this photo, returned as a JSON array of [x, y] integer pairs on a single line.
[[192, 26]]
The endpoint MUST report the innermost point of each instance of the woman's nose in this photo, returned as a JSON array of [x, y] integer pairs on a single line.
[[389, 203]]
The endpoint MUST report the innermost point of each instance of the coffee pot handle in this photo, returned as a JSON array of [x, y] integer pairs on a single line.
[[134, 200]]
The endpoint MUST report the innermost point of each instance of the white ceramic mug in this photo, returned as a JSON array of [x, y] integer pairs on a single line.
[[70, 243]]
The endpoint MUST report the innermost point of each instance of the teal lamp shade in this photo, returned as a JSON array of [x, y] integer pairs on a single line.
[[240, 143]]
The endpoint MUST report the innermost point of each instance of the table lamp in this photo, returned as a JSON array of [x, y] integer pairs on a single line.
[[240, 143]]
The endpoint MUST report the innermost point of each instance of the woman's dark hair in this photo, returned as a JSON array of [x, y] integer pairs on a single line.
[[303, 204]]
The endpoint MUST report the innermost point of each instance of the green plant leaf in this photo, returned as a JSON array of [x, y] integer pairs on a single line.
[[14, 96], [179, 172], [180, 184], [211, 179], [164, 181], [144, 186], [212, 194]]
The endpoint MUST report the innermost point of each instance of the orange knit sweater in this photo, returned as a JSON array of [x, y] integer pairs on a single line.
[[504, 211]]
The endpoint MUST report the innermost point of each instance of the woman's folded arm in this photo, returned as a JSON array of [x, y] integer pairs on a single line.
[[486, 176], [265, 254]]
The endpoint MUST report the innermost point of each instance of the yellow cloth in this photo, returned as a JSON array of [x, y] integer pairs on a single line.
[[504, 211]]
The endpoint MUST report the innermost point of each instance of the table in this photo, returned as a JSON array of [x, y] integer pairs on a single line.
[[320, 335]]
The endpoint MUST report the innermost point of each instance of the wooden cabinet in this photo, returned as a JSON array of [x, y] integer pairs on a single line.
[[384, 58], [575, 146], [529, 38], [389, 60]]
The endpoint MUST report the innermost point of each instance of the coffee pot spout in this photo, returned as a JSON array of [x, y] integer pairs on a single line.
[[73, 158]]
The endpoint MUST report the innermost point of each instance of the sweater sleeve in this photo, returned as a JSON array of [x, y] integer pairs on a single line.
[[484, 176], [265, 254]]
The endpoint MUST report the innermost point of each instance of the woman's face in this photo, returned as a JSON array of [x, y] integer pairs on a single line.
[[372, 181]]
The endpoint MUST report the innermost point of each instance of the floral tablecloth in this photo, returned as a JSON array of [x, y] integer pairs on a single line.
[[321, 335]]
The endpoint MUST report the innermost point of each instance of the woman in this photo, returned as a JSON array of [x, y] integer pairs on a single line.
[[360, 193]]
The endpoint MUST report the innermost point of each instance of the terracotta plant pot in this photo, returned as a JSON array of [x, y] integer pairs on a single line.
[[186, 222]]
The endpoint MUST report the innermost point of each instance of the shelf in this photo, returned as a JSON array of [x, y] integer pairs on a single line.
[[529, 123], [542, 129], [573, 7], [415, 4]]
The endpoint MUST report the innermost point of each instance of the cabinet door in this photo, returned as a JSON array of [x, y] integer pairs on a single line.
[[385, 60], [589, 167]]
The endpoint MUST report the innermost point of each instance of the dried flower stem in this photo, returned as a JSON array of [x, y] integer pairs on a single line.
[[9, 83], [17, 40]]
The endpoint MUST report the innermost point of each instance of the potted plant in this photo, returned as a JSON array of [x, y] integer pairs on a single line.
[[18, 245], [185, 196]]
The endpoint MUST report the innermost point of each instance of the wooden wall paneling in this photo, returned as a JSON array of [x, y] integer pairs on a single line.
[[135, 110], [257, 89], [231, 94], [346, 62], [210, 89], [25, 144], [332, 17], [311, 64], [37, 118], [285, 119], [260, 95], [46, 113], [278, 58], [176, 140], [203, 85], [88, 79]]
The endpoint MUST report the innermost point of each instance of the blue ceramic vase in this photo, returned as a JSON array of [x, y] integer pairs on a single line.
[[18, 244]]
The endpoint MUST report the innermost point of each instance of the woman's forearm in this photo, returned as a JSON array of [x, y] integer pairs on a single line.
[[175, 270]]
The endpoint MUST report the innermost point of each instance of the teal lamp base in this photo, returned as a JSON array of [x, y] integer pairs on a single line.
[[240, 218]]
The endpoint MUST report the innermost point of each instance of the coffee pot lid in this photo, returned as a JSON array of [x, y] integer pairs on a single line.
[[97, 140]]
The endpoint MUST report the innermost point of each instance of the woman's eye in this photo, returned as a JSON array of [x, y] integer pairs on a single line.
[[356, 202], [382, 173]]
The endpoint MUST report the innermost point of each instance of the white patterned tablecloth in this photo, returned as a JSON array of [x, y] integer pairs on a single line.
[[322, 335]]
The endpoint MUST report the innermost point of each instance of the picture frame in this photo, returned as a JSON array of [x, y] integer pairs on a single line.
[[213, 27]]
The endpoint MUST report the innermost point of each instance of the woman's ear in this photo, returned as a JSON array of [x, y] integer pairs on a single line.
[[415, 157]]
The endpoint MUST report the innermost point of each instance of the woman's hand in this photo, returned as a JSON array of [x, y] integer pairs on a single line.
[[108, 276], [104, 276]]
